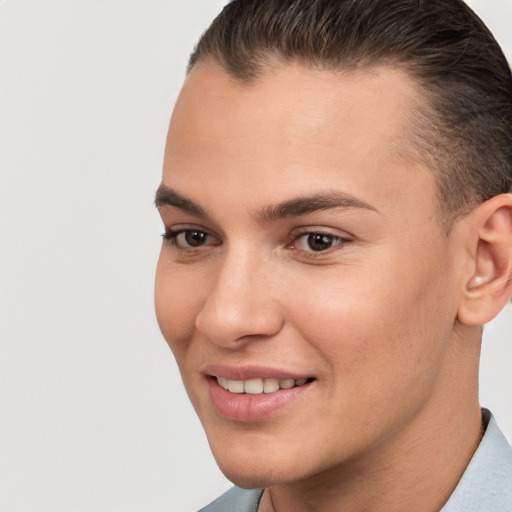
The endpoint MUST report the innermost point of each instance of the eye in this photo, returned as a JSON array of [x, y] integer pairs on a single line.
[[189, 238], [317, 241]]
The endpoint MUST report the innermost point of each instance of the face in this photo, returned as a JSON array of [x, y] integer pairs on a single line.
[[304, 269]]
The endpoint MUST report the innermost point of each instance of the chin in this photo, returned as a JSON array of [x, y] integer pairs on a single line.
[[253, 477], [249, 481], [257, 464], [248, 468]]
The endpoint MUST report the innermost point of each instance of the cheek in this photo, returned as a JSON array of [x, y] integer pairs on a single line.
[[177, 303], [375, 325], [379, 357]]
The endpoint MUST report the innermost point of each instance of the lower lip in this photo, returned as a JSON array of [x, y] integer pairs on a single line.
[[252, 408]]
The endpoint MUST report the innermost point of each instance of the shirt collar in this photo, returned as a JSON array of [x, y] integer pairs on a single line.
[[487, 482]]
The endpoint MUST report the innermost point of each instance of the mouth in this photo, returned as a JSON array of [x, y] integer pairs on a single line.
[[247, 397], [259, 386]]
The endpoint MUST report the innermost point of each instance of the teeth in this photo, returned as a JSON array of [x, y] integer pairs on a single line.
[[253, 386], [286, 383], [270, 385], [258, 386], [236, 386]]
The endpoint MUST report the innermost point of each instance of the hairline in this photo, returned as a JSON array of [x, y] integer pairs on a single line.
[[420, 145]]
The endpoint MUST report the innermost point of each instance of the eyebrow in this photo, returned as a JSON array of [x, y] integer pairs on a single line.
[[314, 203], [295, 207], [166, 196]]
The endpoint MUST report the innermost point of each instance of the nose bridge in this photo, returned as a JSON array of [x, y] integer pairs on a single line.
[[241, 301]]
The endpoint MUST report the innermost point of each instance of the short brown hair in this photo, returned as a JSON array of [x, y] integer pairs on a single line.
[[465, 132]]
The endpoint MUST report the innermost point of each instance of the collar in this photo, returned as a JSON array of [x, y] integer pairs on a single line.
[[487, 482]]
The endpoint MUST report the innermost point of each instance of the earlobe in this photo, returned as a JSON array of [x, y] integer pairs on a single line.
[[490, 285]]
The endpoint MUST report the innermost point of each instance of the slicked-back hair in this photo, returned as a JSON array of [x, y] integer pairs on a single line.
[[464, 129]]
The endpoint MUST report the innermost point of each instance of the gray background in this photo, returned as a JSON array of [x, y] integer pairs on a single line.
[[93, 415]]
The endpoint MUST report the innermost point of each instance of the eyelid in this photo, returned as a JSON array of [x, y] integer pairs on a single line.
[[323, 230], [171, 234], [175, 228], [342, 237]]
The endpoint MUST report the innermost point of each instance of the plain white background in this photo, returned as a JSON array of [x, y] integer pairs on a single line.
[[93, 415]]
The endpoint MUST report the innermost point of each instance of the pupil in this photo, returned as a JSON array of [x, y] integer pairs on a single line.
[[195, 238], [319, 242]]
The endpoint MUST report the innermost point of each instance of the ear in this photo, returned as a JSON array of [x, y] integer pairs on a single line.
[[490, 285]]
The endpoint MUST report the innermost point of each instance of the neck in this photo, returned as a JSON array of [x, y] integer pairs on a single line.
[[429, 467]]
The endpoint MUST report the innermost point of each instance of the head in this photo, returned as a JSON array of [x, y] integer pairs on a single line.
[[335, 197], [462, 129]]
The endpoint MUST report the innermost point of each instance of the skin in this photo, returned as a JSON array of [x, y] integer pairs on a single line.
[[393, 411]]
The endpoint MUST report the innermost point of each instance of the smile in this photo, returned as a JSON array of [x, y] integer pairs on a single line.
[[258, 386], [256, 399]]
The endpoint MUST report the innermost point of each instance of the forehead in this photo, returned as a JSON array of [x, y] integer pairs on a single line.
[[294, 128], [299, 102]]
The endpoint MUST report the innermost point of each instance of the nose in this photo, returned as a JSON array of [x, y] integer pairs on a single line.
[[242, 302]]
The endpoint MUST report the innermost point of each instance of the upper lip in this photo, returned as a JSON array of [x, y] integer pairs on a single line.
[[247, 372]]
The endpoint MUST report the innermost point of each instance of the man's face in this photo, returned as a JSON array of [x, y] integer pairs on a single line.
[[305, 251]]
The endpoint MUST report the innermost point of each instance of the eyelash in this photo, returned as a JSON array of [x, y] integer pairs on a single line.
[[172, 236], [337, 241]]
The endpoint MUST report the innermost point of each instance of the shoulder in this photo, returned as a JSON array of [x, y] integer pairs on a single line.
[[236, 500]]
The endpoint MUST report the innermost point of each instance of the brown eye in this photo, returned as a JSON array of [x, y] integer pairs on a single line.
[[318, 242], [190, 238], [321, 241], [195, 238]]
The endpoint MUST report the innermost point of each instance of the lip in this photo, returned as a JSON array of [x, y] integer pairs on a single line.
[[251, 372], [248, 408]]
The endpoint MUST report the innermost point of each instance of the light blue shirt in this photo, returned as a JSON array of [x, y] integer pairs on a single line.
[[485, 486]]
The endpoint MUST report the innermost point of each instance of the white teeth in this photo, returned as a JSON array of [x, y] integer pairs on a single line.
[[258, 386], [236, 386], [270, 385], [253, 386], [287, 383]]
